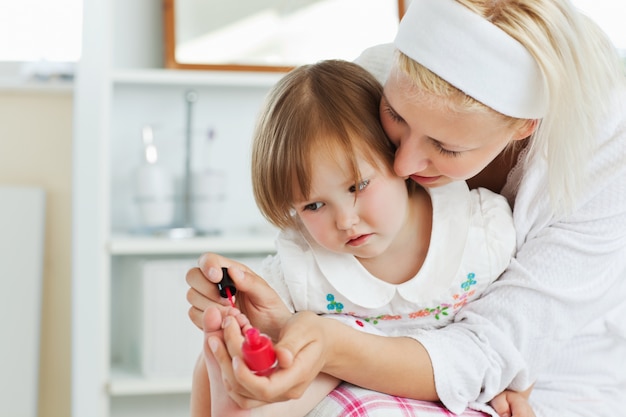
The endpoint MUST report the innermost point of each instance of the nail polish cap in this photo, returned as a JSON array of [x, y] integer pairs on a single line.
[[226, 282]]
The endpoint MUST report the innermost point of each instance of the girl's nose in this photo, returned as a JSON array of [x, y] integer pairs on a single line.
[[347, 217]]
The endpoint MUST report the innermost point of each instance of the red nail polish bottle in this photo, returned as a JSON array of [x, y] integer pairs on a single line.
[[258, 353]]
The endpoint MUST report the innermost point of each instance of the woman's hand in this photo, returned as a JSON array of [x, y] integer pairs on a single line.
[[513, 404], [309, 345], [257, 300], [295, 372]]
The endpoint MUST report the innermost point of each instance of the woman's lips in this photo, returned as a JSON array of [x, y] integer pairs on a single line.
[[424, 180]]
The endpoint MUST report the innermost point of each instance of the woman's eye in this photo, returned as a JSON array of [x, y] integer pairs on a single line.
[[313, 206], [361, 186], [446, 152], [392, 114]]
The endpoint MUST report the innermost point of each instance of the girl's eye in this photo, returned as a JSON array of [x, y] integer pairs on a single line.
[[361, 186], [313, 206]]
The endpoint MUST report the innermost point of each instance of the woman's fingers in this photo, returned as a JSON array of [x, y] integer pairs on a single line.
[[501, 405], [299, 365], [196, 279], [211, 265], [226, 350], [288, 381], [196, 316], [259, 302], [202, 294]]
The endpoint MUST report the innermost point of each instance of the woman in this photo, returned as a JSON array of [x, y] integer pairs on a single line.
[[467, 73]]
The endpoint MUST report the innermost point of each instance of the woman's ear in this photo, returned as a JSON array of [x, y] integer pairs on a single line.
[[526, 129]]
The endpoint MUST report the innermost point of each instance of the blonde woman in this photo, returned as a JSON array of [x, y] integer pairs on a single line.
[[466, 75]]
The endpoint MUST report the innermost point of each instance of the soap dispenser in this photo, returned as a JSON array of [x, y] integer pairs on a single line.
[[154, 187]]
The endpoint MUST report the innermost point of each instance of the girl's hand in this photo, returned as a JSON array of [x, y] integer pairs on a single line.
[[254, 297]]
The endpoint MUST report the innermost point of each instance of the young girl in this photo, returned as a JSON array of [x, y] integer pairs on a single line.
[[468, 73], [357, 242]]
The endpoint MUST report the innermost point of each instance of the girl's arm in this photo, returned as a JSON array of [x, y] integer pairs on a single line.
[[200, 404]]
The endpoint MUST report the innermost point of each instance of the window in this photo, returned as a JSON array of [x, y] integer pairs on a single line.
[[50, 30], [41, 40], [40, 30]]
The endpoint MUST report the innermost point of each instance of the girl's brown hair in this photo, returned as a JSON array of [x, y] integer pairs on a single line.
[[332, 107]]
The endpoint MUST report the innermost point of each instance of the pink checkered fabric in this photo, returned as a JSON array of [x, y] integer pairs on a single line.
[[350, 401]]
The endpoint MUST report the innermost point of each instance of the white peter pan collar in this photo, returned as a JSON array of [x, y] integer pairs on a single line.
[[450, 226]]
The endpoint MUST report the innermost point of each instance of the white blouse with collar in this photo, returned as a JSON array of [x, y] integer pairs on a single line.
[[472, 242]]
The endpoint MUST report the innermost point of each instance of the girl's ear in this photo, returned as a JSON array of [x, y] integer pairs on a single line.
[[527, 129]]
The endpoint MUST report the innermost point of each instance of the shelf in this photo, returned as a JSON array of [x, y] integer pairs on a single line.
[[162, 77], [124, 383], [31, 86], [143, 245]]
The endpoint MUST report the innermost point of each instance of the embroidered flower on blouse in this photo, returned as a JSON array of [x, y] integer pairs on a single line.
[[333, 305], [439, 310], [469, 282]]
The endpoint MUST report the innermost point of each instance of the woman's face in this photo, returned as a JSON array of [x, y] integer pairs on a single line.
[[435, 145]]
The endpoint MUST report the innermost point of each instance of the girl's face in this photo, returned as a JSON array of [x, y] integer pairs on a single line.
[[365, 224], [435, 145]]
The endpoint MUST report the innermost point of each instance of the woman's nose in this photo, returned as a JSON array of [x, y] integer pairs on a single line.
[[410, 158]]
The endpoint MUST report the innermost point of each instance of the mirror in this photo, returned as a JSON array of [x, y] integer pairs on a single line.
[[273, 35]]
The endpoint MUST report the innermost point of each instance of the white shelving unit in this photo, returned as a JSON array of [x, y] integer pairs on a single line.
[[121, 86]]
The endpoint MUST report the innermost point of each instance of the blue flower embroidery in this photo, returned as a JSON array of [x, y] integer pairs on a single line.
[[332, 304], [470, 281]]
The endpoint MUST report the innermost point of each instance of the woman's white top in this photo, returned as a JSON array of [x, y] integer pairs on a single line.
[[557, 316]]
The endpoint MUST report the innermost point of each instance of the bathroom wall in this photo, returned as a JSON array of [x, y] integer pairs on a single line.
[[35, 150]]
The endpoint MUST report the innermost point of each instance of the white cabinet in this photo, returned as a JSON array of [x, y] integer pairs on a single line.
[[120, 87]]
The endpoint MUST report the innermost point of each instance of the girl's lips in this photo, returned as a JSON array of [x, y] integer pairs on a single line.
[[359, 240], [424, 180]]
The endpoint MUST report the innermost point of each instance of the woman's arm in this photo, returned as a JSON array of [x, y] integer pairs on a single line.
[[394, 365], [311, 344], [308, 344], [539, 316]]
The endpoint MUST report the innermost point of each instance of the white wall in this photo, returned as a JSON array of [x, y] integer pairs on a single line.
[[35, 150]]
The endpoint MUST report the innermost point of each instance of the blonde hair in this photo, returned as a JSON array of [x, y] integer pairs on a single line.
[[330, 107], [581, 70]]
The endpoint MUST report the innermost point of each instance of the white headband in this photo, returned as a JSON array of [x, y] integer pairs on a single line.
[[473, 55]]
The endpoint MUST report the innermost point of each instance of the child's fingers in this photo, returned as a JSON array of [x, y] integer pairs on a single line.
[[212, 320], [233, 336], [242, 320]]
